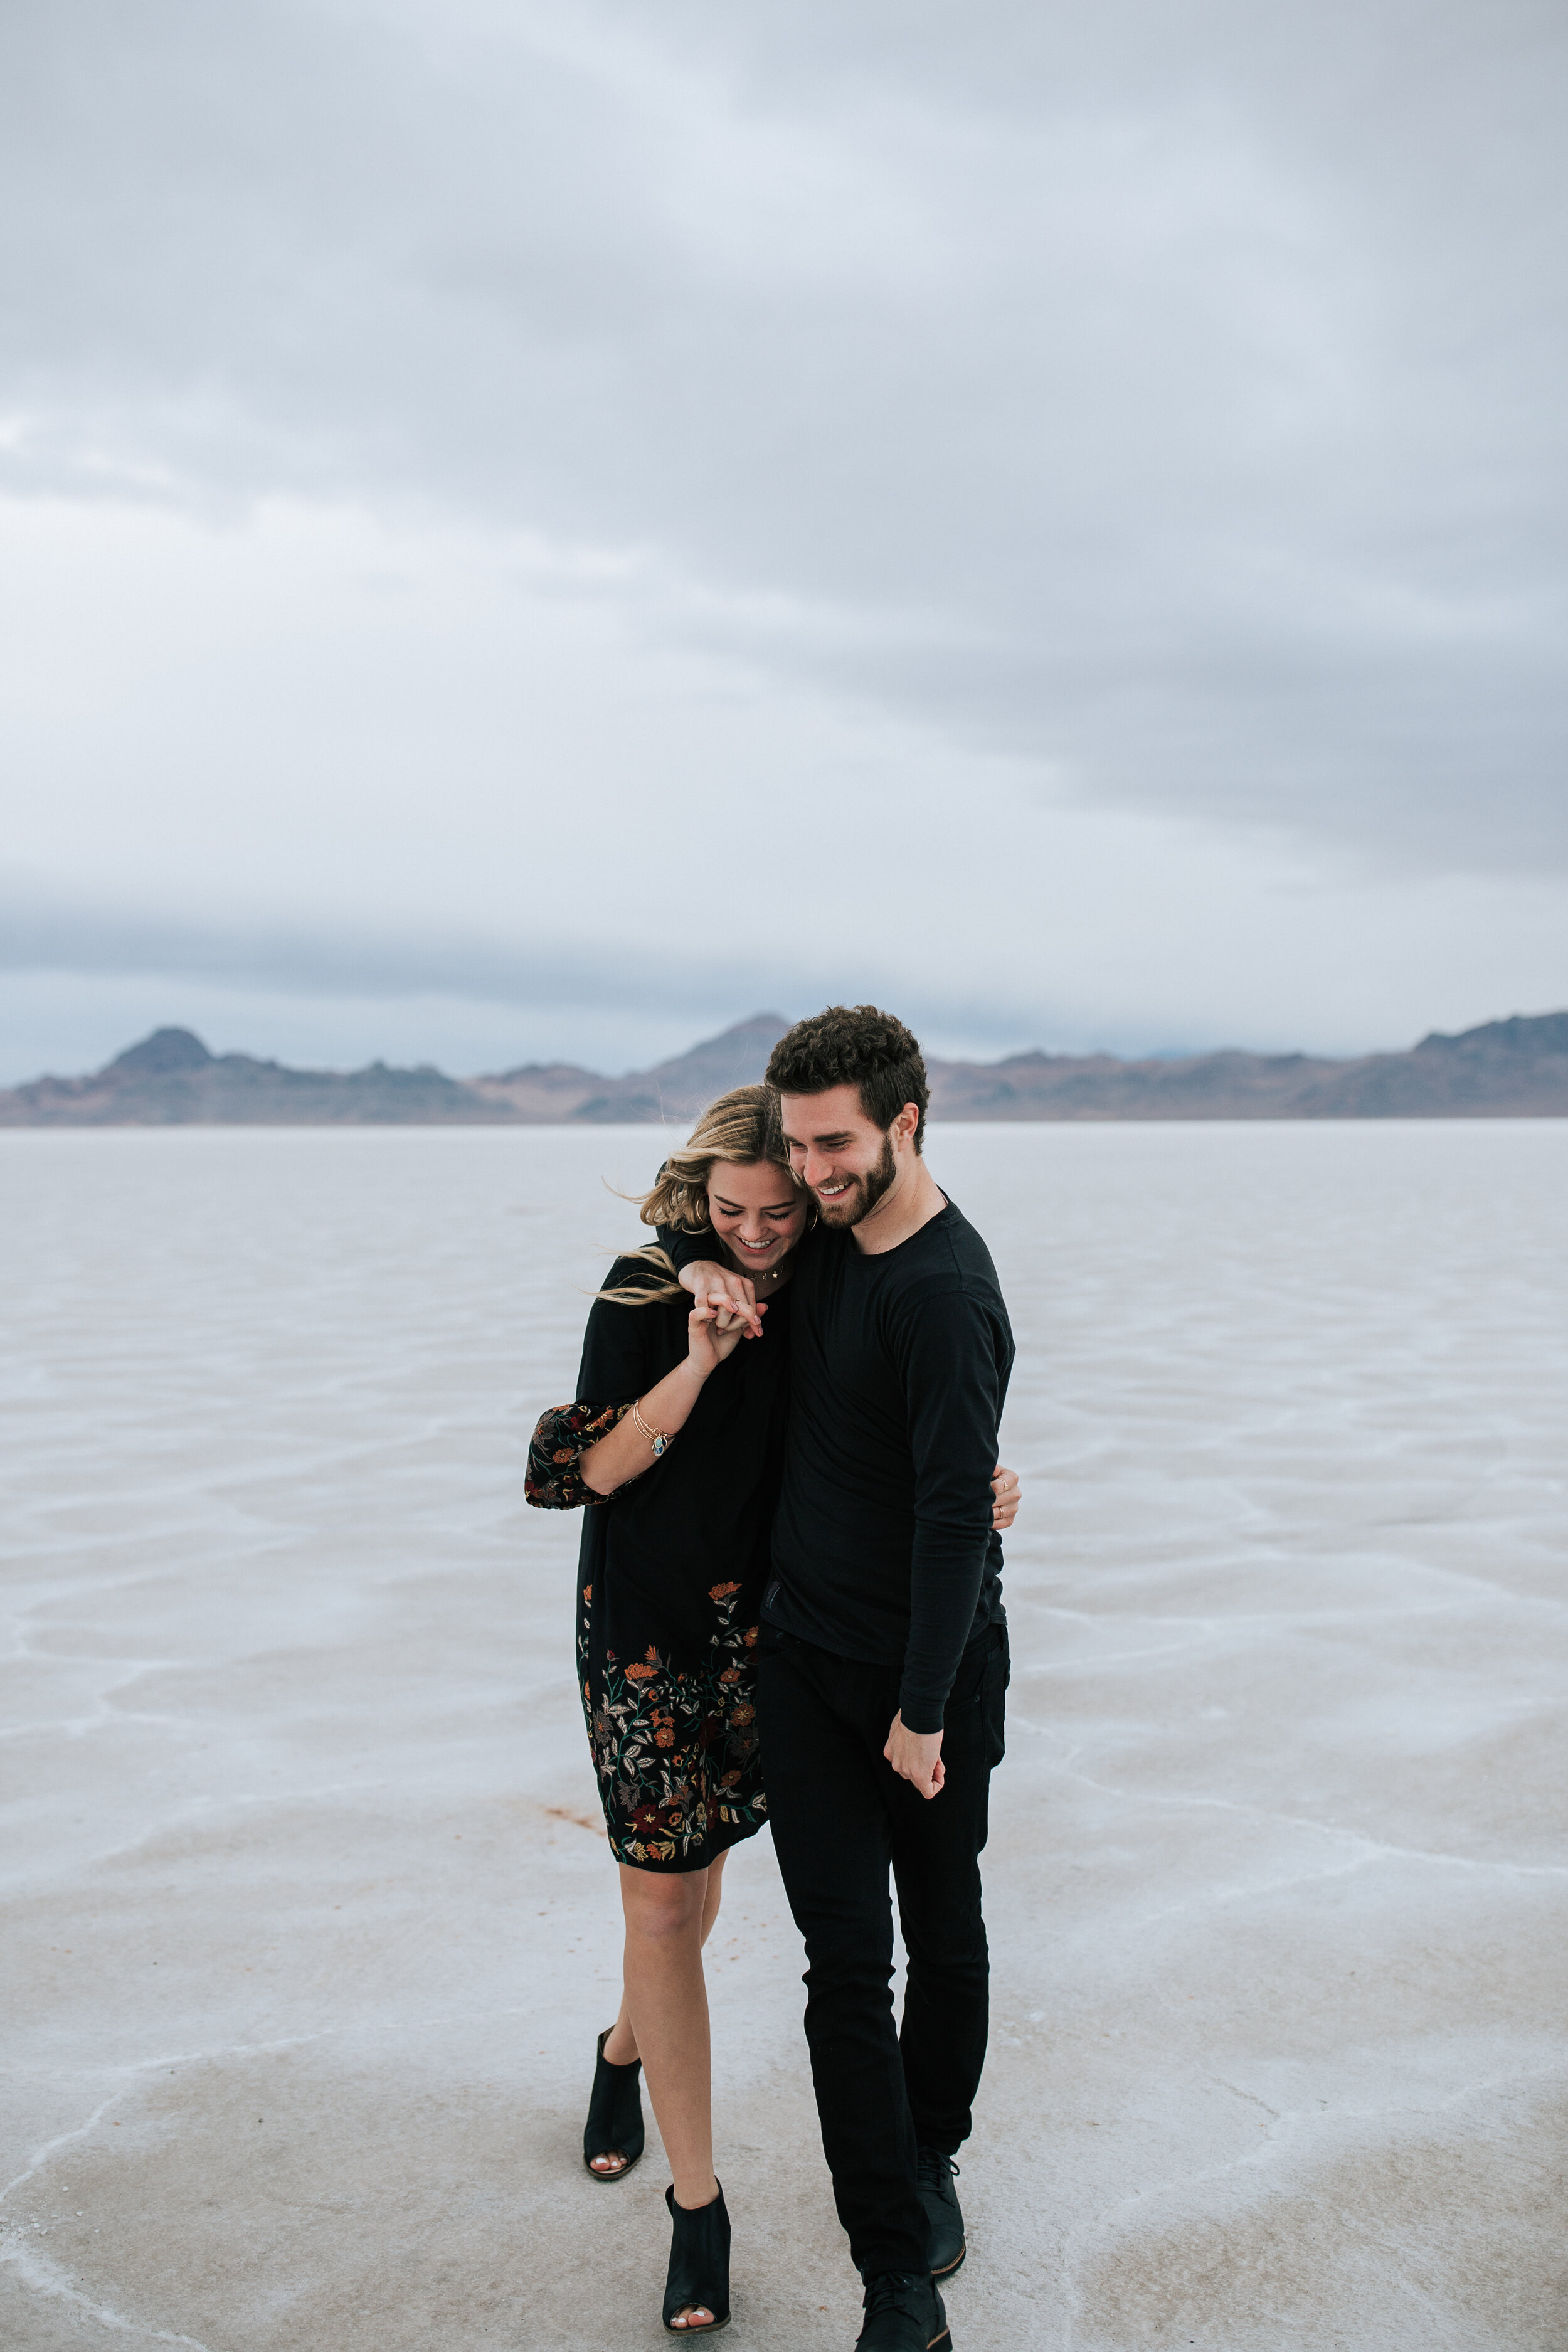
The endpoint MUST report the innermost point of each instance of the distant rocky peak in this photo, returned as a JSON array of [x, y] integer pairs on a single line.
[[738, 1053], [1531, 1034], [164, 1050]]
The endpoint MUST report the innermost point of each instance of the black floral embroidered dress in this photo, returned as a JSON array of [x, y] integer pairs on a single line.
[[670, 1578]]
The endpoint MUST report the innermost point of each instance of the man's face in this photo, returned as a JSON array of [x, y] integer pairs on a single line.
[[840, 1154]]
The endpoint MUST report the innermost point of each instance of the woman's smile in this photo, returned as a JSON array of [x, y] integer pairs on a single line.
[[761, 1189]]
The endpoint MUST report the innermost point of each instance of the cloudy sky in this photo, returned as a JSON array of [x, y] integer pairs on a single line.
[[537, 527]]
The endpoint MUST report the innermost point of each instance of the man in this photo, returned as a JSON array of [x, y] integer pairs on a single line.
[[883, 1648]]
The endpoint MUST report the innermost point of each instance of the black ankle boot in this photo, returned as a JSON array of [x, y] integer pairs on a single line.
[[945, 2243], [698, 2264], [615, 2114], [903, 2314]]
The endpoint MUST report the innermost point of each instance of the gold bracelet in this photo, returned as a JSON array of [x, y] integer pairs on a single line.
[[656, 1438]]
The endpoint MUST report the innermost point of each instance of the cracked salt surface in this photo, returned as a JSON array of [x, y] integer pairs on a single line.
[[308, 1941]]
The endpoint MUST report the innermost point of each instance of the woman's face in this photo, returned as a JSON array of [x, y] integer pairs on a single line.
[[759, 1211]]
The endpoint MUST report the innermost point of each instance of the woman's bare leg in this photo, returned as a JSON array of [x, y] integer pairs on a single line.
[[714, 1894], [664, 2016], [621, 2047], [667, 2001]]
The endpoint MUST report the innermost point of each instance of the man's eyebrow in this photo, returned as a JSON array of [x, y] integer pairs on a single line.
[[839, 1135]]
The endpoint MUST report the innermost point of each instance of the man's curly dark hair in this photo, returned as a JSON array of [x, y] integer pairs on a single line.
[[855, 1045]]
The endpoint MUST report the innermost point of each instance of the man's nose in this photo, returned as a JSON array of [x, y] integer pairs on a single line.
[[817, 1168]]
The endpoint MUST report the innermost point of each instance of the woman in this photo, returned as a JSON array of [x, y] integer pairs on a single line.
[[675, 1443]]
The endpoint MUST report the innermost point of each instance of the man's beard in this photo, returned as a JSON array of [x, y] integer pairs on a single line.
[[864, 1193]]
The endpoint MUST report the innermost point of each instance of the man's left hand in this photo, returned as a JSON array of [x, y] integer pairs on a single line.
[[1004, 1491], [916, 1757]]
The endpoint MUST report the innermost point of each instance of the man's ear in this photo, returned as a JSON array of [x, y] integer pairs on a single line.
[[906, 1122]]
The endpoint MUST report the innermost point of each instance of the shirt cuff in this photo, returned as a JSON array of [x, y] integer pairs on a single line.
[[922, 1716]]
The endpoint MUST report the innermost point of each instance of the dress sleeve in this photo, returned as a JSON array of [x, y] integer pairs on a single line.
[[616, 1367], [552, 1481]]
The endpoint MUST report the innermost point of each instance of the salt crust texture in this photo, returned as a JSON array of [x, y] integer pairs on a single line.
[[310, 1926]]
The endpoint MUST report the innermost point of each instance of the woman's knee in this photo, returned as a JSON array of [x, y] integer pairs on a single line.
[[661, 1909]]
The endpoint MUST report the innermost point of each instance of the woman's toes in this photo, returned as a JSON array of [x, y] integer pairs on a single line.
[[609, 2163]]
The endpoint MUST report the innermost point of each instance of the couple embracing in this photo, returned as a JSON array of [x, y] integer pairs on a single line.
[[790, 1610]]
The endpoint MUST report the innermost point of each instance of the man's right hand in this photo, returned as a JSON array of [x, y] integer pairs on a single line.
[[730, 1297], [916, 1757]]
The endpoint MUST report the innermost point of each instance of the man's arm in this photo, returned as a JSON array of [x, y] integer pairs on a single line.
[[953, 1362], [916, 1756]]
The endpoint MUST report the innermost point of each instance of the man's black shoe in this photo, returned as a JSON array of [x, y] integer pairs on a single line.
[[945, 2243], [903, 2314]]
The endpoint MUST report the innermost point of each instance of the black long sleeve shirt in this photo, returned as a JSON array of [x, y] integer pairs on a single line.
[[883, 1547]]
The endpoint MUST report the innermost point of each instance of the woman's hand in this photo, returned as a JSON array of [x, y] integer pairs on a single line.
[[711, 1338], [1004, 1487], [728, 1295]]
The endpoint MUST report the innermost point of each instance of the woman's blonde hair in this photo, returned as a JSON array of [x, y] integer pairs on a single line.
[[743, 1127]]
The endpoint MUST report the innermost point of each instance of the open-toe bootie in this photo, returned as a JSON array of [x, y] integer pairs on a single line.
[[699, 2266], [615, 2114]]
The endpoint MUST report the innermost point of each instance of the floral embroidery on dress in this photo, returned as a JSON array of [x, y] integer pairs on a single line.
[[552, 1481], [678, 1754]]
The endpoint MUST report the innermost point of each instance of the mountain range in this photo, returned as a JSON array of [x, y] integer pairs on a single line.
[[1505, 1069]]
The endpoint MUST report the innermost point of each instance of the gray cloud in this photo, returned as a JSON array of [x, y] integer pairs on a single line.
[[1169, 393], [40, 933], [606, 993]]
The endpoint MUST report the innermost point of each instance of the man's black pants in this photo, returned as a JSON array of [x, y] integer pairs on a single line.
[[840, 1815]]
